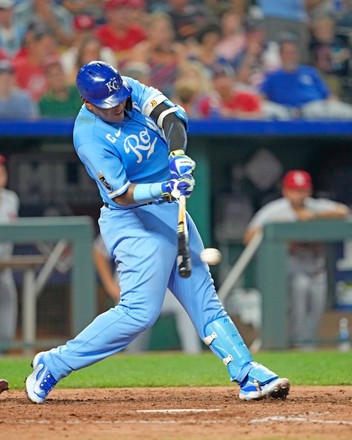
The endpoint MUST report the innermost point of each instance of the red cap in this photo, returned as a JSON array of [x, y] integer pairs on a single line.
[[2, 160], [297, 179], [83, 22]]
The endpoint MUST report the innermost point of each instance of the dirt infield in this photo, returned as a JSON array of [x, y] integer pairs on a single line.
[[315, 413]]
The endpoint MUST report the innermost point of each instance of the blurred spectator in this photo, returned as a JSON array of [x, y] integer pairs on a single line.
[[29, 67], [330, 53], [187, 95], [217, 7], [137, 70], [257, 57], [160, 51], [118, 32], [138, 14], [335, 8], [187, 18], [87, 47], [232, 40], [57, 18], [3, 54], [14, 102], [11, 32], [9, 208], [61, 100], [226, 100], [300, 88], [192, 84], [84, 7], [289, 16], [204, 49]]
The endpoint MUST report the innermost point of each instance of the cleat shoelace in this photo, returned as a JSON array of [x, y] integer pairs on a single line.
[[48, 383]]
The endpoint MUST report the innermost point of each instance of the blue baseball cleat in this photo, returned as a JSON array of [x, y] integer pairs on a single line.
[[277, 388], [40, 382]]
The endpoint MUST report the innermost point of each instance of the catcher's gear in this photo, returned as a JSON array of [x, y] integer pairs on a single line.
[[102, 85], [180, 164], [174, 188]]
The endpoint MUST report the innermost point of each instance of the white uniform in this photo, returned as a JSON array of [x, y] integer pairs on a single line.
[[307, 276], [9, 205]]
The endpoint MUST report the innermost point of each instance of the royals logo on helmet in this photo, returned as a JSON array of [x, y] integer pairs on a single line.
[[112, 85]]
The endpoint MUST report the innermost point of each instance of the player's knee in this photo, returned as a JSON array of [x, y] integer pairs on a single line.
[[301, 283], [144, 318]]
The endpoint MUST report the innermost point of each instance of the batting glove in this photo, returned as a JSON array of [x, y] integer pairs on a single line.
[[180, 164], [174, 188]]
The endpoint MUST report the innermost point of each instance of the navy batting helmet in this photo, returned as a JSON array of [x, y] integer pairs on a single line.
[[102, 85]]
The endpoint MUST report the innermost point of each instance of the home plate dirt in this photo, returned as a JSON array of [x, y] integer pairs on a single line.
[[315, 413]]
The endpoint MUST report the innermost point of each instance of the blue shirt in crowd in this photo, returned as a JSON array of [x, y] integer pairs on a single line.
[[294, 89]]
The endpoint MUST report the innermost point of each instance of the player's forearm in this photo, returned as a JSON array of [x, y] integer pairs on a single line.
[[148, 192], [141, 193], [339, 212], [175, 132]]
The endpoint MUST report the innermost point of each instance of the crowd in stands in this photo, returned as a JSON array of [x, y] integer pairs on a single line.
[[241, 59]]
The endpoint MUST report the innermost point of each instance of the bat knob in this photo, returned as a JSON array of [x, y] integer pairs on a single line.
[[184, 272]]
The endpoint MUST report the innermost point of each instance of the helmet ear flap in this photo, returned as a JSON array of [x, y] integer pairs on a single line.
[[129, 104]]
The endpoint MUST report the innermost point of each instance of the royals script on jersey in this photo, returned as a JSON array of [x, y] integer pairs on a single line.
[[134, 150]]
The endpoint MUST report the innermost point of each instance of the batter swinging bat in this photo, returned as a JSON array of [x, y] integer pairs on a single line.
[[183, 255]]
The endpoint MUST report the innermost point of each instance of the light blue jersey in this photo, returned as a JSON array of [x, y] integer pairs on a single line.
[[115, 155]]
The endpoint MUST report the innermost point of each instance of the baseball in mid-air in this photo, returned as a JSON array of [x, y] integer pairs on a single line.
[[211, 256]]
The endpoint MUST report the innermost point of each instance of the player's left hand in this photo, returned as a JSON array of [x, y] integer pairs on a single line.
[[174, 188], [180, 164]]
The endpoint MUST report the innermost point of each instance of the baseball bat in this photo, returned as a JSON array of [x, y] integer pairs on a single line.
[[183, 255]]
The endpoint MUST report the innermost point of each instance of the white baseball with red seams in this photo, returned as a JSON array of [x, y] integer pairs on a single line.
[[211, 256]]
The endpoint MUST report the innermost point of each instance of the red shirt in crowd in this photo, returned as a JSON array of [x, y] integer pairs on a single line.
[[119, 42], [238, 101], [30, 77]]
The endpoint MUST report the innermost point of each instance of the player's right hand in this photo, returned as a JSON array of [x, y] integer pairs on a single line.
[[175, 188]]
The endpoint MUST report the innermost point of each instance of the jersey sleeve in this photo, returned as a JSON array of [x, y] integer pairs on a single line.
[[322, 205], [145, 97], [105, 167]]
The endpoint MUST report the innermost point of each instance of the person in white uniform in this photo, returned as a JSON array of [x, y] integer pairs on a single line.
[[189, 339], [307, 273], [9, 205]]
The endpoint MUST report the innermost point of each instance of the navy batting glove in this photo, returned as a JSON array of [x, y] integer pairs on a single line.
[[174, 188], [180, 164]]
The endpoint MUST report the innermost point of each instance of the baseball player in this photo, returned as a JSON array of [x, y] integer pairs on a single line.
[[132, 141], [307, 276], [9, 206]]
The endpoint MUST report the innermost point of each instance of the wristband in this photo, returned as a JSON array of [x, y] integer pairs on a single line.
[[147, 192]]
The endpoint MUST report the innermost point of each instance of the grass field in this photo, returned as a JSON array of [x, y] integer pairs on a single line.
[[166, 369]]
